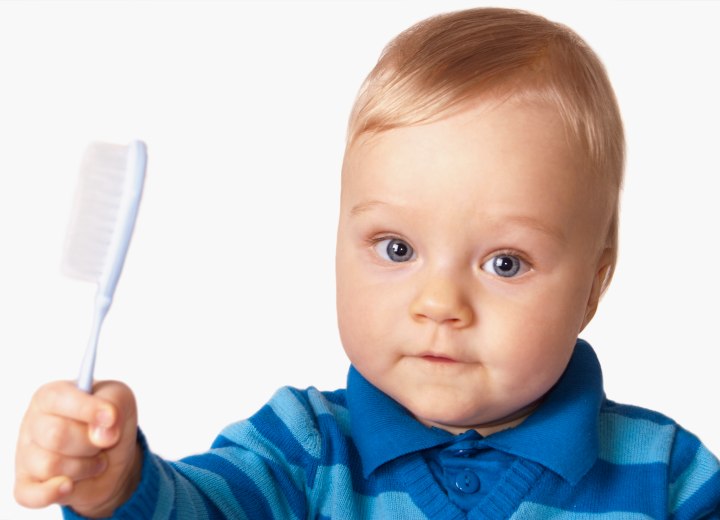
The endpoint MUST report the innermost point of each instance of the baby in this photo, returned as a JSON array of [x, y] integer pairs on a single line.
[[477, 233]]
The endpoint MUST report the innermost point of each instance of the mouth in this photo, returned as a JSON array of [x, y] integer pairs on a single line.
[[433, 358]]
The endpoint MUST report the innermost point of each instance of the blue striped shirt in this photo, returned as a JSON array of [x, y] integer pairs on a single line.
[[357, 454]]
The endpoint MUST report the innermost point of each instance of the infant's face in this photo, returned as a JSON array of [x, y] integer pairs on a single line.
[[468, 260]]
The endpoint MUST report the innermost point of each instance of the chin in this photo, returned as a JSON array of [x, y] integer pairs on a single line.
[[456, 418]]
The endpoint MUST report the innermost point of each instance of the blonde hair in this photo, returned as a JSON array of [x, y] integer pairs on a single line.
[[442, 62]]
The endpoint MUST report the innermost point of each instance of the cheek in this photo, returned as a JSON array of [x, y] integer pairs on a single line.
[[350, 316], [348, 308], [534, 334], [557, 307], [361, 315], [372, 321]]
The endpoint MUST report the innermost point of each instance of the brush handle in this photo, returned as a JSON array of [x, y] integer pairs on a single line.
[[85, 378]]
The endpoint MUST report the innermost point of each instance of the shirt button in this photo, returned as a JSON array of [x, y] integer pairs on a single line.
[[467, 481], [463, 453]]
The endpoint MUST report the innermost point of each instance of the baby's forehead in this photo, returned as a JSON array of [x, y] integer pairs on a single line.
[[476, 110], [502, 153], [503, 120], [478, 160]]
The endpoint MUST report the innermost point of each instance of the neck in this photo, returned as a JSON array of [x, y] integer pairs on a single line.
[[488, 428]]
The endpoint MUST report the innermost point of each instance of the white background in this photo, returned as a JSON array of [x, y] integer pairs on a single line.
[[228, 289]]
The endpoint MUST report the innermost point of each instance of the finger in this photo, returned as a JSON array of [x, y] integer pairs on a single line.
[[64, 399], [34, 494], [120, 397], [41, 465], [61, 436], [125, 409]]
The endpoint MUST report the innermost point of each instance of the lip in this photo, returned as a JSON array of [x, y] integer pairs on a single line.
[[438, 358]]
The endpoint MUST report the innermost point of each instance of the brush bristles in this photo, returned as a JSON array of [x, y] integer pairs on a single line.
[[95, 211]]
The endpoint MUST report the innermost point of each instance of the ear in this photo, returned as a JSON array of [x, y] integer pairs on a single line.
[[601, 273]]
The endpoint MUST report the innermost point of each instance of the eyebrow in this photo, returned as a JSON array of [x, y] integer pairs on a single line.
[[362, 207], [522, 220], [532, 223]]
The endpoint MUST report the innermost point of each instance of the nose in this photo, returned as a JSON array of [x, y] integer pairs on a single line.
[[443, 300]]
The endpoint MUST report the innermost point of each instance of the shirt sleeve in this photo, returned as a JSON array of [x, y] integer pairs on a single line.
[[694, 480], [258, 468], [162, 493]]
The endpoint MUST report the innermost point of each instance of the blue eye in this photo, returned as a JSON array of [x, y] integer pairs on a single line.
[[395, 250], [504, 265]]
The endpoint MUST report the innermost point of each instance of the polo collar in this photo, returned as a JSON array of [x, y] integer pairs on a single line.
[[562, 434]]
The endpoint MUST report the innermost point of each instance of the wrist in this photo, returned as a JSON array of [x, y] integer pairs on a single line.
[[133, 480]]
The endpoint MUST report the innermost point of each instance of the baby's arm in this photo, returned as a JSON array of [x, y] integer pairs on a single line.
[[254, 470], [694, 475], [78, 449], [262, 467]]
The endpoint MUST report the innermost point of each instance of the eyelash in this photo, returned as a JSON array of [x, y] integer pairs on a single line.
[[525, 265], [374, 241], [509, 252]]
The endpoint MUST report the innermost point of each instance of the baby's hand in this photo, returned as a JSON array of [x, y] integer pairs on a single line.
[[78, 449]]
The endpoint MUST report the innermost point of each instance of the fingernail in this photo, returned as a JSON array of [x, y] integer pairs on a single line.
[[65, 487], [102, 435], [104, 418]]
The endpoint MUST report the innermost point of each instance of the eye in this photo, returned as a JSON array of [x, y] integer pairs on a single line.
[[394, 249], [505, 265]]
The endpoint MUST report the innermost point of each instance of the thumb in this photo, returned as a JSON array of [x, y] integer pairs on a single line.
[[117, 415]]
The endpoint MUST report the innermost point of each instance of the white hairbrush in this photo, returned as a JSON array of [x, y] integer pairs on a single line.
[[101, 225]]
